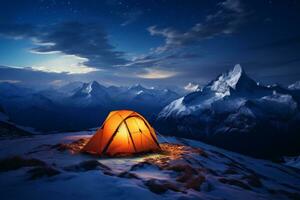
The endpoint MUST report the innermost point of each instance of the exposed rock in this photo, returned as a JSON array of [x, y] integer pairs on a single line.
[[16, 162], [195, 182], [87, 166], [11, 130], [42, 171], [253, 180], [128, 175], [159, 187]]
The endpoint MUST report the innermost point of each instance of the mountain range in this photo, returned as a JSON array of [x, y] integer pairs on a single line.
[[235, 112], [77, 105], [232, 111], [10, 130]]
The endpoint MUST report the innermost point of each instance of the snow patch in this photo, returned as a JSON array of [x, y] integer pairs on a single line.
[[294, 86]]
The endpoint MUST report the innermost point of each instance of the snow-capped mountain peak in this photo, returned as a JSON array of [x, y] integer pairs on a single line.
[[231, 105], [137, 87], [234, 76], [295, 86], [140, 92], [234, 79], [94, 85], [192, 87], [91, 87], [222, 86], [230, 78], [91, 93]]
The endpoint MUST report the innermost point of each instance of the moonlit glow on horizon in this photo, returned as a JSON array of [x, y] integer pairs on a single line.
[[69, 64], [156, 74]]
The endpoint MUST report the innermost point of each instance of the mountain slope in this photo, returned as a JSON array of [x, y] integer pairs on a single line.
[[235, 112], [295, 86], [91, 94], [9, 129], [186, 170], [78, 106]]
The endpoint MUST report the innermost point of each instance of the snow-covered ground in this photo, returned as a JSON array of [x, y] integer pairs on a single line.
[[191, 170], [293, 161]]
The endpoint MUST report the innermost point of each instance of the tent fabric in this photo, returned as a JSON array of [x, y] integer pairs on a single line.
[[123, 132]]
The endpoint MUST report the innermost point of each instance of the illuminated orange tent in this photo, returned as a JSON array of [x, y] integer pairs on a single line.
[[123, 132]]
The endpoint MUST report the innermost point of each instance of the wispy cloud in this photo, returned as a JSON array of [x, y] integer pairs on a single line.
[[29, 76], [82, 48], [286, 42], [83, 40], [223, 22], [179, 47], [10, 81], [131, 17], [18, 31], [86, 41], [65, 63], [234, 5], [150, 73]]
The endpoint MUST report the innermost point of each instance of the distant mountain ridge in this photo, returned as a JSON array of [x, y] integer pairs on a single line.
[[77, 105], [91, 94], [9, 129], [235, 112]]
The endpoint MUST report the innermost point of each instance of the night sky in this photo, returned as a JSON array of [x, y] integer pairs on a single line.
[[155, 43]]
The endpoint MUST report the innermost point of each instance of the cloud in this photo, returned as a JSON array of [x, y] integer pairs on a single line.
[[154, 60], [83, 40], [286, 42], [18, 31], [57, 82], [179, 58], [223, 22], [29, 76], [234, 5], [150, 73], [86, 41], [131, 17], [177, 55], [142, 61], [9, 81], [65, 63]]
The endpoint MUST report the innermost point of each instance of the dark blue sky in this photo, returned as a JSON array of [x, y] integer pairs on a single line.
[[152, 42]]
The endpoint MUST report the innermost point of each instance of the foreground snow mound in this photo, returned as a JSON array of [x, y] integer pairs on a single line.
[[52, 167], [235, 112]]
